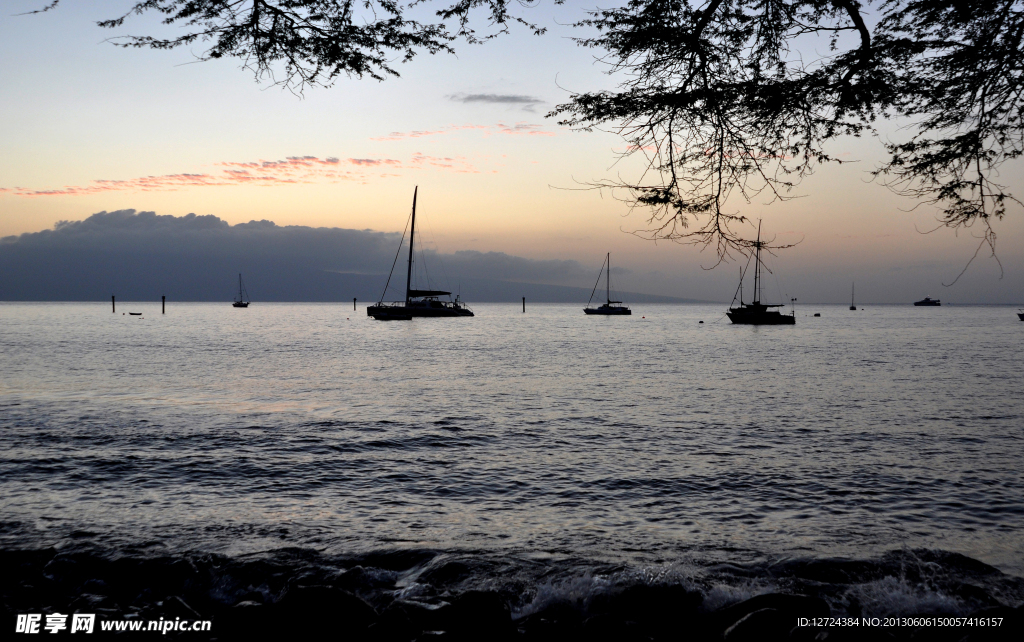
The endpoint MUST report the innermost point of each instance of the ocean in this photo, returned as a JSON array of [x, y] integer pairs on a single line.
[[514, 474]]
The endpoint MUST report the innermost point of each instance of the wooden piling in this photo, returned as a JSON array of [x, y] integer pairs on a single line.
[[113, 306], [524, 305], [353, 303], [163, 304]]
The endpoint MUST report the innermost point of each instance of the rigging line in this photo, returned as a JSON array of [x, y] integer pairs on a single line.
[[597, 283], [384, 293], [437, 249], [778, 281], [423, 260], [423, 255], [743, 275]]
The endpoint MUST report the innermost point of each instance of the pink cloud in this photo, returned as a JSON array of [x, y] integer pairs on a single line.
[[290, 171], [374, 161], [520, 128], [458, 164], [404, 135]]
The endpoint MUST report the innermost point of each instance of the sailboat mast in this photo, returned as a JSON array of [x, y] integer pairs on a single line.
[[608, 279], [757, 266], [412, 238]]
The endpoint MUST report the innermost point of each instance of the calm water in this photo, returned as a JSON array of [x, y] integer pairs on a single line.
[[644, 442]]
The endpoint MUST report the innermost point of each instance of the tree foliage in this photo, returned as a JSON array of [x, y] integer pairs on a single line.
[[722, 98]]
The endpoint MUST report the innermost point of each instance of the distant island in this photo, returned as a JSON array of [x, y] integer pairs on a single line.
[[141, 256]]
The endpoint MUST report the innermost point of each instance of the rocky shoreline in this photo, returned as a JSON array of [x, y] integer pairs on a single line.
[[425, 595]]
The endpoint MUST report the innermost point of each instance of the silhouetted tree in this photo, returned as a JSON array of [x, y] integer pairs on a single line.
[[720, 96]]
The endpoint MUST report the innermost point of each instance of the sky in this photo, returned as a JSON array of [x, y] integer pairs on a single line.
[[90, 127]]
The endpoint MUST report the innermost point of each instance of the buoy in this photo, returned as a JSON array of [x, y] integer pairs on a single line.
[[700, 322]]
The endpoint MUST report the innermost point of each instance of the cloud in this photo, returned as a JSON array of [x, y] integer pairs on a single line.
[[421, 134], [503, 98], [528, 102], [520, 128], [293, 170], [458, 164], [523, 129]]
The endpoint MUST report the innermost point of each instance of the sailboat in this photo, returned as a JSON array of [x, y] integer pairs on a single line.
[[758, 313], [610, 306], [242, 300], [418, 303], [852, 306]]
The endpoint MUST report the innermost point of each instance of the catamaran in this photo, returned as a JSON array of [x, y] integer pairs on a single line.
[[610, 307], [418, 303], [758, 313]]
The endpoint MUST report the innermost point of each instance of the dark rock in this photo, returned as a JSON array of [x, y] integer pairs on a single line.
[[404, 620], [788, 606], [608, 628], [323, 611], [476, 615], [89, 602], [657, 610], [174, 607], [762, 624], [974, 595], [647, 603], [445, 573], [557, 621], [829, 571], [1010, 628], [854, 634], [246, 621], [361, 579]]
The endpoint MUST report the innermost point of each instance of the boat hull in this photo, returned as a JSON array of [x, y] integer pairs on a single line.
[[926, 302], [240, 304], [613, 311], [404, 312], [767, 317], [1020, 315]]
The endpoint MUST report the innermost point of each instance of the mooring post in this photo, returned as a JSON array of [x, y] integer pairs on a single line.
[[353, 303], [163, 304], [524, 305], [113, 306]]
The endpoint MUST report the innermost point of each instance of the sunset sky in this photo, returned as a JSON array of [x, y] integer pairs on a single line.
[[87, 127]]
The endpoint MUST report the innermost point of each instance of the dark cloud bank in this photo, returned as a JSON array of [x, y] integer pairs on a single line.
[[141, 256]]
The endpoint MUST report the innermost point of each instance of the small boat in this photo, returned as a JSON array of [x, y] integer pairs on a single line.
[[609, 307], [418, 303], [1020, 315], [928, 301], [135, 314], [852, 306], [242, 300], [758, 313]]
